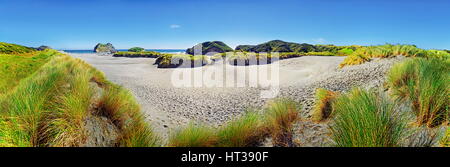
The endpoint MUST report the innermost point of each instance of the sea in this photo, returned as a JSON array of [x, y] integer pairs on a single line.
[[173, 51]]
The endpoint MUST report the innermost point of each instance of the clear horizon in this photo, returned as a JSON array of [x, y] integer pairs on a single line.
[[170, 24]]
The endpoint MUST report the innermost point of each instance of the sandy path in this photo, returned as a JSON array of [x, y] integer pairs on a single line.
[[169, 107]]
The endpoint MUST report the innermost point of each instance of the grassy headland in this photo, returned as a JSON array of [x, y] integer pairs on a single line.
[[51, 101]]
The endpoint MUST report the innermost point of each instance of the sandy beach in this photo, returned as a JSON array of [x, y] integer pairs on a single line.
[[168, 107]]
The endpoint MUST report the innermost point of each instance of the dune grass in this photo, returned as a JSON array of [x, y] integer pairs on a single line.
[[279, 119], [121, 108], [366, 119], [194, 136], [49, 106], [14, 67], [445, 140], [323, 107], [7, 48], [246, 131], [423, 83], [364, 54]]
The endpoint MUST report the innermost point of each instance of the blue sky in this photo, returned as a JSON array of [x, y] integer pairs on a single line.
[[170, 24]]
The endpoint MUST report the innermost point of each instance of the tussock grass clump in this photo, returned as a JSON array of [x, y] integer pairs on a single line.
[[366, 119], [356, 58], [323, 108], [243, 132], [194, 136], [72, 101], [121, 108], [279, 119], [423, 83], [248, 130]]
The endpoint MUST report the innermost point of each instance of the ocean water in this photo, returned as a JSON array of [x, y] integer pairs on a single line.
[[175, 51]]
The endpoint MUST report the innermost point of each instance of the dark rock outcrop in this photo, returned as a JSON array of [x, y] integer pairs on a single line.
[[104, 48], [209, 47]]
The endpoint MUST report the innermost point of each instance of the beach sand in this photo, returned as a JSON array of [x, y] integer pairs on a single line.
[[168, 107]]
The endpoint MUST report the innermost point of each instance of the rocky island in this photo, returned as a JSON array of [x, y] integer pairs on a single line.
[[104, 48]]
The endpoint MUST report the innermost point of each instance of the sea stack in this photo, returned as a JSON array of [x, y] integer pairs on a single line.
[[104, 48]]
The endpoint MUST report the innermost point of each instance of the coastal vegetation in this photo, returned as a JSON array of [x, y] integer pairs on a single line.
[[53, 100], [365, 54], [423, 83], [136, 49], [249, 130], [323, 108], [282, 46], [181, 60], [18, 62], [148, 54], [210, 47], [365, 118]]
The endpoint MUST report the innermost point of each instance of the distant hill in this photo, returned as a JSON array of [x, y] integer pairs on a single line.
[[214, 46], [278, 46], [7, 48]]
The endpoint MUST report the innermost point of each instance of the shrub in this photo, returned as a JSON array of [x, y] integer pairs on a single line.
[[366, 119], [279, 117], [194, 136], [243, 132], [136, 49], [323, 108], [424, 83]]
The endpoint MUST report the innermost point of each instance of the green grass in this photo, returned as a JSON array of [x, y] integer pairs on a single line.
[[246, 131], [365, 54], [323, 108], [48, 107], [423, 83], [7, 48], [119, 105], [149, 54], [445, 140], [14, 67], [279, 119], [181, 60], [194, 136], [366, 119]]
